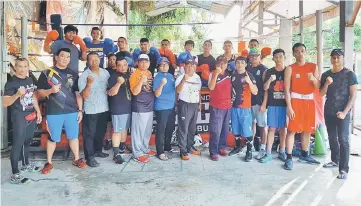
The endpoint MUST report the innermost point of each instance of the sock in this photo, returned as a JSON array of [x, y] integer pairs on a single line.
[[269, 151], [282, 150], [263, 146], [115, 150], [238, 142], [289, 156], [304, 153], [122, 146]]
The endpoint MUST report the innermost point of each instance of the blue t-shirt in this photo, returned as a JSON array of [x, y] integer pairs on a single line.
[[257, 73], [167, 99], [99, 49], [74, 53]]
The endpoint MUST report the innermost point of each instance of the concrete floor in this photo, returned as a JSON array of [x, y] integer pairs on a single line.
[[200, 181]]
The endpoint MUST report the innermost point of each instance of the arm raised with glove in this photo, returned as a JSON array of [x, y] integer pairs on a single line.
[[78, 41], [50, 37]]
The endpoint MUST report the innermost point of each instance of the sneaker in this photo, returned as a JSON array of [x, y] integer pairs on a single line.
[[266, 159], [151, 153], [223, 152], [17, 179], [118, 159], [195, 152], [101, 154], [184, 156], [308, 159], [141, 159], [236, 150], [288, 164], [171, 151], [248, 157], [30, 168], [92, 163], [79, 163], [261, 154], [214, 157], [282, 156], [342, 175], [47, 168], [108, 144]]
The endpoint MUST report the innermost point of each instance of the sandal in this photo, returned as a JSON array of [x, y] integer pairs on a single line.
[[163, 157], [342, 175], [330, 165]]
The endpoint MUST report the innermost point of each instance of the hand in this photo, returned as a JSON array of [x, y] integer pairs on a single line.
[[120, 80], [263, 108], [112, 92], [218, 70], [311, 77], [341, 115], [80, 116], [144, 79], [199, 107], [164, 81], [247, 79], [55, 88], [20, 92], [329, 80], [272, 77], [89, 80], [290, 113], [39, 117], [186, 77]]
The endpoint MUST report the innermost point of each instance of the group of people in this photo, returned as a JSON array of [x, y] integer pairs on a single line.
[[279, 99]]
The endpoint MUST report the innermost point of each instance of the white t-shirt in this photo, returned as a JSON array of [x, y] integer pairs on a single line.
[[191, 88]]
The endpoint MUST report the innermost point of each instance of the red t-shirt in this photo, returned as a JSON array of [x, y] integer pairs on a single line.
[[220, 96]]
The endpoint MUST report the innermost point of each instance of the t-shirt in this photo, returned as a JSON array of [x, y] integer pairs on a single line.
[[123, 54], [121, 103], [167, 98], [276, 90], [99, 49], [25, 102], [191, 88], [64, 101], [210, 60], [220, 96], [144, 101], [257, 73], [110, 70], [338, 92], [74, 53], [97, 102], [241, 93]]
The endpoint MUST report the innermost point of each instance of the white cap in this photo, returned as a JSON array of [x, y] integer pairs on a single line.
[[143, 56]]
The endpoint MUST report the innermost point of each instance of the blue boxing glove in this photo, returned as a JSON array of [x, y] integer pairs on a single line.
[[183, 57], [130, 61], [115, 48], [108, 46], [154, 51], [87, 41], [136, 54], [232, 66]]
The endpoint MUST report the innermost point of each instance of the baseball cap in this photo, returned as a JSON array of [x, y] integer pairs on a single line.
[[253, 51], [189, 60], [143, 57], [161, 60], [337, 52]]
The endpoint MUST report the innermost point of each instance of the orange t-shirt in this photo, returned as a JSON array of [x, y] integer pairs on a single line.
[[299, 79]]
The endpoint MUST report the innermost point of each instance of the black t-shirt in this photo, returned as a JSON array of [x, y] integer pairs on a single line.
[[276, 90], [257, 73], [210, 60], [24, 103], [123, 54], [338, 92], [122, 102], [64, 101], [110, 70]]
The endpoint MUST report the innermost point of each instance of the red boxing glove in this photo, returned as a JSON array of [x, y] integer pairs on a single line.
[[244, 53], [80, 42], [266, 51], [204, 68], [50, 37], [167, 53]]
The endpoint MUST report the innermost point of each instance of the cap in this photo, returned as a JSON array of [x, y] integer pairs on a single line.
[[221, 59], [162, 59], [189, 60], [337, 52], [253, 51], [143, 56]]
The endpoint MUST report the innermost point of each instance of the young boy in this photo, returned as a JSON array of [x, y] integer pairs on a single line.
[[184, 56], [19, 95], [243, 86]]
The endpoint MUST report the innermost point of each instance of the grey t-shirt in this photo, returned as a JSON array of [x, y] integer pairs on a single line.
[[74, 55], [97, 102]]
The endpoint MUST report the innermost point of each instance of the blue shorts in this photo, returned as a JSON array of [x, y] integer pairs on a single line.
[[276, 116], [241, 122], [58, 121]]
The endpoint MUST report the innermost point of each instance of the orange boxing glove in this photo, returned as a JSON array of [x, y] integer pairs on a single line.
[[204, 68], [80, 42], [50, 37], [168, 54], [243, 53], [265, 52]]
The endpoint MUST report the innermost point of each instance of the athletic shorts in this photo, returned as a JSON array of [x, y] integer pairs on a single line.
[[304, 120], [121, 122], [276, 116], [259, 117], [57, 122], [241, 122]]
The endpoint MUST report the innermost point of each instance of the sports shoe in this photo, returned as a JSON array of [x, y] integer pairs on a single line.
[[184, 156], [171, 151], [288, 164], [342, 175], [108, 144], [151, 153], [194, 151], [282, 156], [214, 157], [248, 156], [101, 154], [141, 159], [261, 154], [79, 163], [17, 179], [118, 159], [93, 163], [308, 159], [47, 168], [236, 150], [30, 168], [223, 152], [266, 159]]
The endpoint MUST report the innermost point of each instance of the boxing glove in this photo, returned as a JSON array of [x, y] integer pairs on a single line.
[[183, 57], [129, 61], [78, 41], [154, 51], [232, 66], [50, 37], [136, 54], [87, 40], [265, 52]]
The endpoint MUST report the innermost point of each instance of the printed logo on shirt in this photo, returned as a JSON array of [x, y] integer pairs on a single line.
[[258, 73], [279, 89], [298, 76], [27, 99]]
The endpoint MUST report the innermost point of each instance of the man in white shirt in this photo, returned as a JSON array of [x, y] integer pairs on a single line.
[[188, 87]]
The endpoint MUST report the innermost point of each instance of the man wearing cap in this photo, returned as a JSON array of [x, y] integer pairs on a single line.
[[220, 108], [141, 82], [339, 84], [301, 81], [188, 87], [258, 104], [164, 90]]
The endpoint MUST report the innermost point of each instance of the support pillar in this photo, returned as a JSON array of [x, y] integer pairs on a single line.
[[319, 40], [260, 18], [300, 11], [285, 40], [24, 37]]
